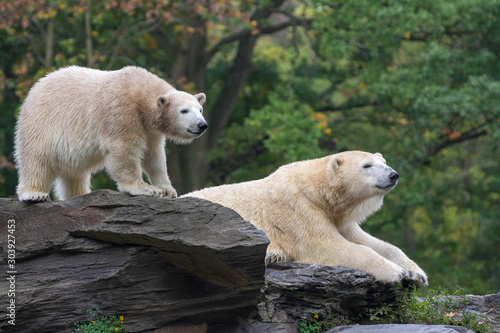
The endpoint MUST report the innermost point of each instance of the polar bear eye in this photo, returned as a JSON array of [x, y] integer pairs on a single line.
[[184, 111], [367, 166]]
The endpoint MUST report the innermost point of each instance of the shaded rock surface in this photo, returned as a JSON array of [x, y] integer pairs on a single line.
[[156, 261], [295, 291], [393, 328], [487, 307]]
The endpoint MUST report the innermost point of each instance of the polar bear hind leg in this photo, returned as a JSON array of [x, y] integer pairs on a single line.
[[34, 196], [72, 186], [35, 183]]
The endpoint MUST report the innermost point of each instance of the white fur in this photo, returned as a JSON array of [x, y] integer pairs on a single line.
[[312, 211], [76, 121]]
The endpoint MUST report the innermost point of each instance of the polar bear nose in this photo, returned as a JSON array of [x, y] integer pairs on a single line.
[[393, 176], [202, 125]]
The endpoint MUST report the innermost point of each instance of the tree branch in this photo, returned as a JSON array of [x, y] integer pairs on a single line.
[[241, 68], [248, 33], [424, 36], [434, 149], [344, 106]]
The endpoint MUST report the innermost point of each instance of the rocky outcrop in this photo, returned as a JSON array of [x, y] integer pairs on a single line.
[[171, 265], [156, 261], [394, 328], [294, 291], [314, 292], [487, 307]]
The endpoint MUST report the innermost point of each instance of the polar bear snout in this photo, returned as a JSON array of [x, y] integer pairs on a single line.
[[393, 179], [202, 126], [394, 176], [388, 179], [199, 128]]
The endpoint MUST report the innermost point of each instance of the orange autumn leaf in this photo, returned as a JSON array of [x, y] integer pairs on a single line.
[[454, 135]]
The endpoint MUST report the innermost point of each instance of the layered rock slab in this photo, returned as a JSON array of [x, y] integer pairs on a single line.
[[293, 291], [156, 261]]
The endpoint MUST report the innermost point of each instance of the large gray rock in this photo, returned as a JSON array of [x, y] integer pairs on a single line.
[[183, 265], [156, 261], [394, 328], [297, 291], [294, 291], [487, 307]]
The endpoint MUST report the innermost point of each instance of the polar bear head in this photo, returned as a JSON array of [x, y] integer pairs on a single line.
[[363, 173], [359, 180], [181, 115]]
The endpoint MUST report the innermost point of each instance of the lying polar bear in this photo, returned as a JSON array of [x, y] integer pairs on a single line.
[[312, 210]]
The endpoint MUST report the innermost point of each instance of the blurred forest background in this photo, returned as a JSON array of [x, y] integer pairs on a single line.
[[416, 80]]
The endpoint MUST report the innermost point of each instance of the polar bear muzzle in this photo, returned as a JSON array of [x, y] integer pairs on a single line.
[[199, 129], [388, 182]]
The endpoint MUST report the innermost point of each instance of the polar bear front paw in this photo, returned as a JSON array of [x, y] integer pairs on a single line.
[[390, 272], [415, 273], [142, 189], [169, 192], [34, 196], [417, 277]]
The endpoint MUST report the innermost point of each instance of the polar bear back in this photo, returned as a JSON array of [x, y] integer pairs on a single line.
[[277, 197]]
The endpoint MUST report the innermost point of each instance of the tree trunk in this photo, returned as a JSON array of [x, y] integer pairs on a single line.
[[189, 66], [49, 44], [88, 35], [188, 168]]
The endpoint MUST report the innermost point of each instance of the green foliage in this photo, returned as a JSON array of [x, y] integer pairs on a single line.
[[306, 326], [434, 309], [318, 325], [98, 323], [417, 81], [309, 327], [437, 309], [286, 128]]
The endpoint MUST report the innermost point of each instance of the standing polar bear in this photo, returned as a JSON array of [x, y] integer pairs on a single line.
[[76, 121], [312, 210]]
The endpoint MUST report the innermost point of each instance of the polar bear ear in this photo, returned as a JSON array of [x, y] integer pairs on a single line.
[[379, 154], [336, 162], [201, 97], [162, 101]]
